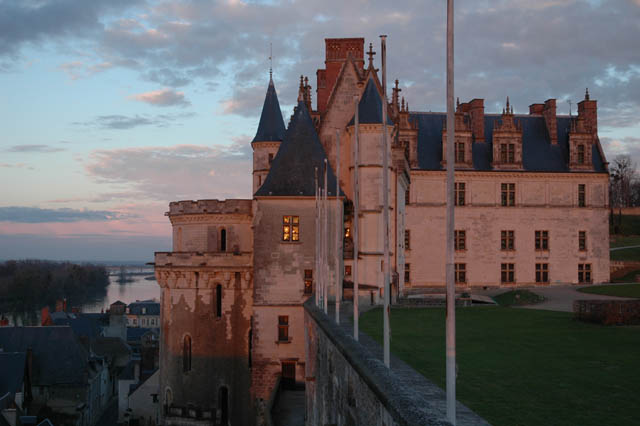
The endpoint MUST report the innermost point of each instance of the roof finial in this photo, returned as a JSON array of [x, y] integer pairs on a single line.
[[270, 61], [402, 108], [301, 89], [371, 53], [586, 94], [507, 104], [457, 102]]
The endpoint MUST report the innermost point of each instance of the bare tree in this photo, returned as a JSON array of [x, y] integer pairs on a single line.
[[623, 180]]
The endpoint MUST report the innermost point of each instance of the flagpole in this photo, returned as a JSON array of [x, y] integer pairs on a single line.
[[385, 203], [356, 212], [339, 231], [450, 272]]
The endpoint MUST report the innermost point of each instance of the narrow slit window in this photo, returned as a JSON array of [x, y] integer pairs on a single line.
[[219, 300], [186, 354], [223, 239]]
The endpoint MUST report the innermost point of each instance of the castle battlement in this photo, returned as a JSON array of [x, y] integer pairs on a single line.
[[237, 206], [203, 259]]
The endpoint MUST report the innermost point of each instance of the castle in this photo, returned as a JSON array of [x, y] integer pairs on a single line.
[[531, 193]]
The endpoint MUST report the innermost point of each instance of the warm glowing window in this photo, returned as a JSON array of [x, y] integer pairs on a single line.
[[283, 328], [459, 195], [542, 240], [460, 239], [290, 228], [347, 232], [542, 272], [584, 273], [507, 272], [507, 240], [308, 281], [347, 270], [461, 272], [508, 194]]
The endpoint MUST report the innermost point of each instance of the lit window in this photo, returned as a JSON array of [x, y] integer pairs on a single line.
[[584, 273], [460, 152], [460, 240], [542, 240], [508, 194], [507, 240], [407, 239], [308, 281], [507, 273], [461, 272], [290, 228], [407, 273], [283, 328], [347, 270], [582, 240], [542, 272], [347, 232], [459, 193], [582, 196], [580, 154]]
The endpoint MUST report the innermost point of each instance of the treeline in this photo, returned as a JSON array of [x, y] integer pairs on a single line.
[[32, 284]]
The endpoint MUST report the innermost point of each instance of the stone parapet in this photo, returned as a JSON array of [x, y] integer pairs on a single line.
[[237, 206], [206, 259]]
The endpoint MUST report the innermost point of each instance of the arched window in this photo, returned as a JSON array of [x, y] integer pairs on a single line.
[[219, 300], [186, 353], [223, 239], [168, 400]]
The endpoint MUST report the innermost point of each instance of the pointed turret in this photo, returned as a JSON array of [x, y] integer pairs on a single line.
[[293, 169], [270, 134], [370, 106]]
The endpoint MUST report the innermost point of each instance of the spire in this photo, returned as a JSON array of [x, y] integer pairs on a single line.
[[270, 62], [271, 127], [370, 53], [292, 171], [370, 106]]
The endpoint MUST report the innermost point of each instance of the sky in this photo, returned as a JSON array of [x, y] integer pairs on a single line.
[[110, 109]]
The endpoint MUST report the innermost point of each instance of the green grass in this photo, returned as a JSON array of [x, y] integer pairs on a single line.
[[629, 277], [626, 254], [630, 225], [625, 240], [518, 298], [629, 290], [523, 366]]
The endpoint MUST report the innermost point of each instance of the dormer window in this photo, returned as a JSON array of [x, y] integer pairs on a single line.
[[581, 154], [507, 153], [460, 152], [507, 141]]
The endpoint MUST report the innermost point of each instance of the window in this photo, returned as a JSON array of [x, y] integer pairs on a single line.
[[283, 328], [259, 180], [508, 194], [460, 239], [584, 273], [582, 202], [460, 152], [459, 193], [507, 153], [223, 239], [407, 239], [582, 240], [507, 273], [542, 272], [507, 240], [461, 272], [219, 300], [542, 240], [270, 159], [186, 353], [290, 228], [407, 273], [347, 270], [308, 281], [347, 232], [580, 154], [406, 196]]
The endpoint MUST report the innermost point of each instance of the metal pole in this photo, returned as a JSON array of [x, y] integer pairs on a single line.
[[356, 212], [325, 232], [450, 273], [385, 204], [339, 231]]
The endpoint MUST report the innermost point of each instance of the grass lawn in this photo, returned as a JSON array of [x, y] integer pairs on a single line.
[[626, 254], [518, 298], [625, 240], [629, 290], [630, 225], [522, 366]]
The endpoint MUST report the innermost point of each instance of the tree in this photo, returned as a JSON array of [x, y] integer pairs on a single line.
[[623, 181]]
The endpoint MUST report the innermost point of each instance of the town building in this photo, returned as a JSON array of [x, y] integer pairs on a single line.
[[531, 195], [145, 313]]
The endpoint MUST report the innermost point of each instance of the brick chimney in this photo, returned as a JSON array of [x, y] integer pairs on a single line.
[[476, 113], [337, 50], [588, 111], [536, 109], [549, 113]]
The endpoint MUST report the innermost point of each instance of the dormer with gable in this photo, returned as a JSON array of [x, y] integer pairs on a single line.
[[507, 142], [463, 141], [582, 136]]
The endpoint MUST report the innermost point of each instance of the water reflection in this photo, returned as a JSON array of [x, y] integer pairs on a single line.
[[142, 287]]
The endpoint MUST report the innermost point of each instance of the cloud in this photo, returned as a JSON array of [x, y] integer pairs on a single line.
[[16, 166], [177, 172], [162, 97], [123, 122], [614, 147], [38, 215], [34, 148]]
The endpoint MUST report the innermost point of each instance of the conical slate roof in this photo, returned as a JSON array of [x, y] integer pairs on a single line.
[[271, 127], [370, 106], [293, 170]]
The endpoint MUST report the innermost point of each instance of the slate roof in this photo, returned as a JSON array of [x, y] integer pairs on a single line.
[[271, 127], [153, 307], [370, 106], [293, 169], [81, 324], [538, 154], [110, 347], [58, 356], [11, 371], [134, 334]]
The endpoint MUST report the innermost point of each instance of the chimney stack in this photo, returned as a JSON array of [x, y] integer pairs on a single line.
[[536, 109], [476, 112], [588, 111], [549, 113]]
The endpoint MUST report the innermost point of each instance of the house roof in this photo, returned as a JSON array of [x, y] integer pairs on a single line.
[[271, 127], [152, 307], [58, 356], [81, 324], [370, 106], [12, 366], [293, 169], [109, 347], [538, 153], [135, 333]]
